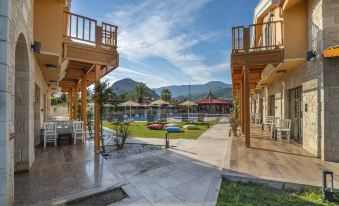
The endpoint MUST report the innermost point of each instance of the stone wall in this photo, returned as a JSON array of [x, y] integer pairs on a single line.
[[330, 142], [16, 22]]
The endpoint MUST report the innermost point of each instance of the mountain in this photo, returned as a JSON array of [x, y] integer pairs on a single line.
[[127, 85], [198, 91]]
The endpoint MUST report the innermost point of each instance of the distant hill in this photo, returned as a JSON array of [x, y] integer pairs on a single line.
[[198, 91], [127, 85]]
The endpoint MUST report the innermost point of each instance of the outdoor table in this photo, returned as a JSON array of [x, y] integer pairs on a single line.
[[64, 131]]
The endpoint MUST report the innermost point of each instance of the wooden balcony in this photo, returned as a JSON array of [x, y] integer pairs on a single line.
[[258, 44], [86, 44]]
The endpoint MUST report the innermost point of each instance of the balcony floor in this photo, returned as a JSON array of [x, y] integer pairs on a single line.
[[277, 160]]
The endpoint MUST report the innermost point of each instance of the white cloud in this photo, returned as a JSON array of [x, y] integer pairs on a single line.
[[163, 29]]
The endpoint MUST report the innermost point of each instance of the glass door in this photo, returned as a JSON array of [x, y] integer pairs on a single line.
[[271, 106], [295, 113]]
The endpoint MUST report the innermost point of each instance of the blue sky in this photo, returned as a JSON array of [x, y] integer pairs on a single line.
[[171, 42]]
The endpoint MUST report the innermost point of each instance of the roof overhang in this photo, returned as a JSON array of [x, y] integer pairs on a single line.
[[262, 7]]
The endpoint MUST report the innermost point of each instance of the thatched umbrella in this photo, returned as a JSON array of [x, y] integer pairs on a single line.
[[129, 104], [188, 103], [159, 103]]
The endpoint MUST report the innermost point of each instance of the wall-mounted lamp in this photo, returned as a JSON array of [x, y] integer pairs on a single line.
[[310, 55], [36, 46], [281, 71], [51, 66]]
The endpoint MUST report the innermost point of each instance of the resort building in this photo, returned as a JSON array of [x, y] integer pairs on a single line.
[[44, 48], [285, 65], [210, 104]]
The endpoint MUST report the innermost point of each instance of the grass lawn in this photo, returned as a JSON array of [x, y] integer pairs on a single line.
[[139, 129], [252, 194]]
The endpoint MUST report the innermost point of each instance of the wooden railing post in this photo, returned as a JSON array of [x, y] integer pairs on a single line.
[[246, 40], [98, 36]]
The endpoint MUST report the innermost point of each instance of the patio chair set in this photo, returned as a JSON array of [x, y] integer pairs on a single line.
[[278, 127], [53, 130]]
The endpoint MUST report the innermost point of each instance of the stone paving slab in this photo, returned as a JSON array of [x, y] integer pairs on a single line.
[[186, 175]]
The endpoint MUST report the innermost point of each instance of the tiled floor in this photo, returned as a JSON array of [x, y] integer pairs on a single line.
[[187, 175], [62, 171], [275, 160]]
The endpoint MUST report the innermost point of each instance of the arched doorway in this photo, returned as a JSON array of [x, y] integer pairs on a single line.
[[21, 110]]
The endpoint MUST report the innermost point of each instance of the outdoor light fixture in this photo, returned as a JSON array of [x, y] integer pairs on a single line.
[[310, 55], [50, 66], [36, 46], [282, 71]]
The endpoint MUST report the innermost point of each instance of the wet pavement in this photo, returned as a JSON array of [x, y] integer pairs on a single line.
[[63, 171]]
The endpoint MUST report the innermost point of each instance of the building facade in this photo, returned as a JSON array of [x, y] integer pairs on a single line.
[[292, 86], [37, 58]]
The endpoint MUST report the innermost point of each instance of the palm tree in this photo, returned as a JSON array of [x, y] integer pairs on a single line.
[[166, 95], [140, 91], [103, 95]]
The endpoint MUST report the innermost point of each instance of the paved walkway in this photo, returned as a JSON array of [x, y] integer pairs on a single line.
[[187, 175], [274, 160]]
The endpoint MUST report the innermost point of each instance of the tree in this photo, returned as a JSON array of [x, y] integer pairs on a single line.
[[140, 91], [166, 95], [102, 95]]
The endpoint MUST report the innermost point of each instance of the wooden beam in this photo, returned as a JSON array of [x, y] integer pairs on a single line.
[[84, 102], [247, 105], [97, 112]]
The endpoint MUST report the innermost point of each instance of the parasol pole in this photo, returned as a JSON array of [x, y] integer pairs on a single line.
[[130, 112]]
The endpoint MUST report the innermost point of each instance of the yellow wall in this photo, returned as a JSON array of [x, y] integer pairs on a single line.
[[295, 31], [49, 24]]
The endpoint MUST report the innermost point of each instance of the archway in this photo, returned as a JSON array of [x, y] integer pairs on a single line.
[[21, 110]]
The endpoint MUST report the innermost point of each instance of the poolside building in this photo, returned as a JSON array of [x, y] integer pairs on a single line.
[[210, 104], [44, 48], [285, 65]]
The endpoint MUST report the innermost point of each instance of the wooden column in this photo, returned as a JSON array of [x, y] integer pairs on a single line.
[[69, 103], [75, 102], [247, 105], [241, 106], [84, 102], [71, 115], [97, 112]]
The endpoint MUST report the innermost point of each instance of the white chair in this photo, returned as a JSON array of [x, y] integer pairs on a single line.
[[257, 118], [252, 117], [285, 127], [78, 131], [267, 124], [274, 126], [50, 134]]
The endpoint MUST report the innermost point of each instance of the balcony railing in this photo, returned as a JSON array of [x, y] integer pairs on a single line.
[[85, 30], [258, 37]]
